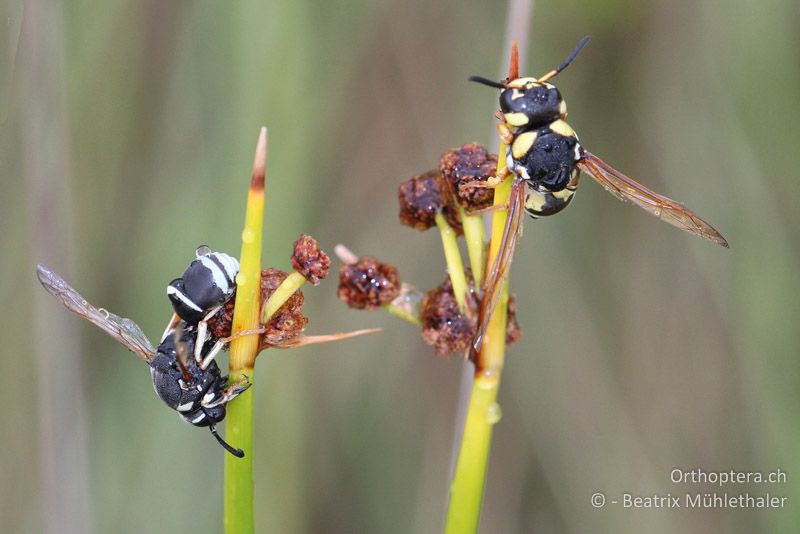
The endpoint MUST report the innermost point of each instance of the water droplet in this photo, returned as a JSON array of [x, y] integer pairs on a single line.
[[486, 384], [657, 213], [492, 375], [248, 236], [494, 413]]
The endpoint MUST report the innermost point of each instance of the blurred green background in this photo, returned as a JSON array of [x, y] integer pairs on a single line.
[[127, 139]]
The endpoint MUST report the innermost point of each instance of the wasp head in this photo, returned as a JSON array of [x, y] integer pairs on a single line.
[[527, 102], [532, 102]]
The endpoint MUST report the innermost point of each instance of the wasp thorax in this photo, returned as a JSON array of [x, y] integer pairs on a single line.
[[528, 102], [207, 283], [546, 158]]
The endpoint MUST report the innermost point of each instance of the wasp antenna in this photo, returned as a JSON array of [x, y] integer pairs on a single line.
[[583, 42], [239, 453], [486, 81]]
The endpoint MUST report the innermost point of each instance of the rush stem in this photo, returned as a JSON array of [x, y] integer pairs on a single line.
[[466, 489], [455, 267], [238, 484], [284, 291], [238, 489], [473, 235], [398, 311]]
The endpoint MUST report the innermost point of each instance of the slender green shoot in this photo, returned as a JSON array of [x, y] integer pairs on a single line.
[[238, 485], [466, 489], [455, 266], [282, 293], [474, 235]]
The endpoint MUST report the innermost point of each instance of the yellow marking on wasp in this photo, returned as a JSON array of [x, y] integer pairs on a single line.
[[562, 109], [562, 128], [522, 144], [516, 119], [534, 201], [516, 93], [564, 194]]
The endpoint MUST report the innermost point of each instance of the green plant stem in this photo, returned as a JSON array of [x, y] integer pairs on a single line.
[[455, 267], [466, 490], [473, 235], [282, 293], [238, 484], [397, 311], [239, 518]]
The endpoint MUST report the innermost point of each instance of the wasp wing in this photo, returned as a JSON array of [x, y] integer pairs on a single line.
[[497, 275], [662, 207], [181, 350], [120, 328]]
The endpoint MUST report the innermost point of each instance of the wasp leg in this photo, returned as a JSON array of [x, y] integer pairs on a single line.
[[172, 322], [230, 393], [503, 130], [223, 342], [491, 183], [218, 346], [202, 334], [490, 209]]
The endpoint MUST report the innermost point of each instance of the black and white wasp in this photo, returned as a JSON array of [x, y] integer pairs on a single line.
[[185, 375], [545, 158]]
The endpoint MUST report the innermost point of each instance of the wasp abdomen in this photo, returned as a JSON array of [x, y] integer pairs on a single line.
[[544, 203]]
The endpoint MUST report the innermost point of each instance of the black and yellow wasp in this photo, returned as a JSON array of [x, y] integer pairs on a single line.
[[545, 158]]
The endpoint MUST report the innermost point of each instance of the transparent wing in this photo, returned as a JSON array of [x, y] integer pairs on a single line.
[[497, 275], [123, 330], [662, 207]]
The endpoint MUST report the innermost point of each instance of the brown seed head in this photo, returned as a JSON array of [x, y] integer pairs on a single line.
[[443, 325], [469, 164], [421, 197], [368, 283], [286, 324], [309, 260], [447, 330]]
